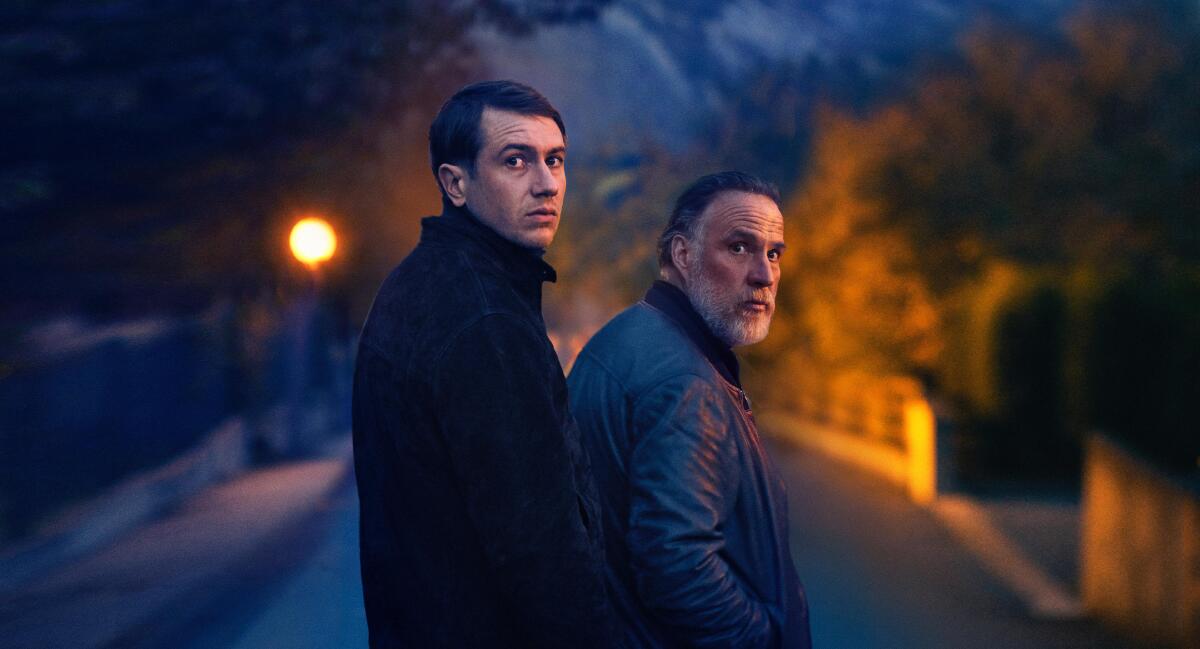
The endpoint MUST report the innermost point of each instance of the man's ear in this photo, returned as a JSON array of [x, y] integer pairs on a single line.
[[454, 180], [681, 255]]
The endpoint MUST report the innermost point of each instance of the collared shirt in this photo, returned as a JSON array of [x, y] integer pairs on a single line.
[[669, 299]]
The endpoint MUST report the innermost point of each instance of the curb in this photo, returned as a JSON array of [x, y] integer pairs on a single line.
[[1043, 596], [87, 526]]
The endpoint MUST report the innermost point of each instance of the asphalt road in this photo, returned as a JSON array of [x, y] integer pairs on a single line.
[[880, 572]]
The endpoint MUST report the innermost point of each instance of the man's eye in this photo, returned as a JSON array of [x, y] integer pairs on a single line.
[[774, 255], [737, 248], [514, 161], [555, 161]]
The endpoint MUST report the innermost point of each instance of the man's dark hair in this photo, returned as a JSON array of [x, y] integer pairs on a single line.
[[698, 196], [455, 137]]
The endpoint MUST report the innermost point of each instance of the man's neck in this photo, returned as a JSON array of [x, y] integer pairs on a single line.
[[675, 303], [517, 261], [673, 277], [449, 209]]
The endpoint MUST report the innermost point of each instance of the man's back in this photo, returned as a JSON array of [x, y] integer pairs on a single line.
[[470, 476]]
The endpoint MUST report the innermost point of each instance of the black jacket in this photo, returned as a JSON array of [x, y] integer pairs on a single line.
[[695, 516], [478, 510]]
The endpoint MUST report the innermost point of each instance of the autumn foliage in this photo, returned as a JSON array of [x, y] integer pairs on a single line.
[[1021, 231]]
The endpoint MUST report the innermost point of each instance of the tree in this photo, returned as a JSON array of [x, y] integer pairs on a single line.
[[1059, 158]]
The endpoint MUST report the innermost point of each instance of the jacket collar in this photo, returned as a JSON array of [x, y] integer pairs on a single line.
[[457, 226], [672, 301]]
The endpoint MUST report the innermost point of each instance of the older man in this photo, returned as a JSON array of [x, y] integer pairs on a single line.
[[695, 516], [479, 523]]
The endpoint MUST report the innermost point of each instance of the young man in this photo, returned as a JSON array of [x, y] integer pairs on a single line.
[[695, 516], [479, 520]]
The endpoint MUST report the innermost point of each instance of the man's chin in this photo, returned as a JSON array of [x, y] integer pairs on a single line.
[[538, 238], [749, 331], [535, 239]]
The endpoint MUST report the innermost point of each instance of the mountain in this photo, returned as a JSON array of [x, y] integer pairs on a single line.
[[662, 67]]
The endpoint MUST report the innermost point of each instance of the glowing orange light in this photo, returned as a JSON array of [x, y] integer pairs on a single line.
[[313, 241], [920, 428]]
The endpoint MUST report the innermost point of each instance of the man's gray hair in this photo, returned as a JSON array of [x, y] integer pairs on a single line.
[[685, 218]]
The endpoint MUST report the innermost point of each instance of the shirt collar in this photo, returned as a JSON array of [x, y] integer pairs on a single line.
[[672, 301]]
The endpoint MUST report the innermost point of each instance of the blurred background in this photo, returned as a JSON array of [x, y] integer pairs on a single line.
[[979, 377]]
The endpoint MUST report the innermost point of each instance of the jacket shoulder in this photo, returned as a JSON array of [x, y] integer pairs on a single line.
[[444, 280], [432, 294], [642, 347]]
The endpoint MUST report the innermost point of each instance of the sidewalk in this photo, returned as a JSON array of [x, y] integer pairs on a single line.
[[1028, 540], [162, 576], [882, 572], [1044, 525], [320, 606], [96, 522], [1028, 543]]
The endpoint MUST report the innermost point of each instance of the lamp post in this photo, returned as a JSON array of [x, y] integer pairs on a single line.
[[312, 242]]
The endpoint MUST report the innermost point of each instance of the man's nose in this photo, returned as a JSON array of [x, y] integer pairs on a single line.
[[545, 184], [762, 272]]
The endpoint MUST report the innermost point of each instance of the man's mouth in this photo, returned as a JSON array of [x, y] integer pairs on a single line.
[[544, 212], [757, 306]]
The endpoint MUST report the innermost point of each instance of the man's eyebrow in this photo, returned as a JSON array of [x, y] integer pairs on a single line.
[[742, 233], [525, 148]]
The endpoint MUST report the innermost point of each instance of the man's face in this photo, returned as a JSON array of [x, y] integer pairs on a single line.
[[519, 181], [735, 274]]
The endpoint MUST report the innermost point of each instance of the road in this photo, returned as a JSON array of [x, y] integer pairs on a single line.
[[880, 572]]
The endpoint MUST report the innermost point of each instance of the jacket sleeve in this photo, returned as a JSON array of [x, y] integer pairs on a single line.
[[508, 450], [683, 484]]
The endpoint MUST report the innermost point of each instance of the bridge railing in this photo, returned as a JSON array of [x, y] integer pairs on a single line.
[[885, 424]]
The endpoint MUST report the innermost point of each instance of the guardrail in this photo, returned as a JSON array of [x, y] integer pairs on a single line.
[[883, 424]]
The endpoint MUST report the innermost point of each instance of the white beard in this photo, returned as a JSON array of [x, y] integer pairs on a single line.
[[721, 314]]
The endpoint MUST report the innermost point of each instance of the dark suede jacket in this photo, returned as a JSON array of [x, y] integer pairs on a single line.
[[479, 519], [695, 516]]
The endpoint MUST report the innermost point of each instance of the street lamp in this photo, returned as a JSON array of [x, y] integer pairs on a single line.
[[312, 241], [308, 383]]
